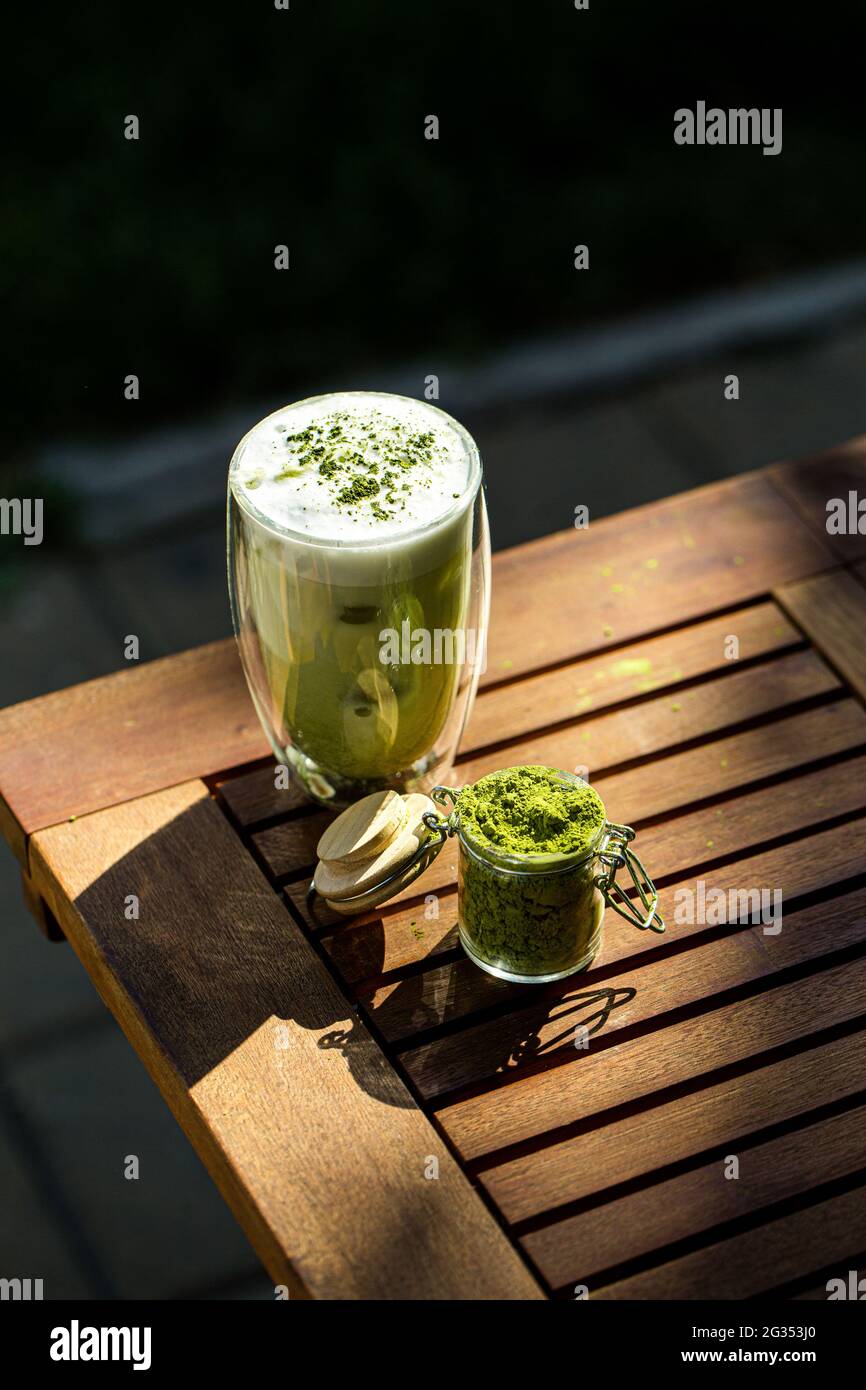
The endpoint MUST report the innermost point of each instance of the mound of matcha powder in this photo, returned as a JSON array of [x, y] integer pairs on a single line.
[[531, 810]]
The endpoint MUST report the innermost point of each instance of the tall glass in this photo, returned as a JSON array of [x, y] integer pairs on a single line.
[[362, 657]]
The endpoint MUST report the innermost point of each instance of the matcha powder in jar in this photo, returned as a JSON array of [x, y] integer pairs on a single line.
[[536, 869]]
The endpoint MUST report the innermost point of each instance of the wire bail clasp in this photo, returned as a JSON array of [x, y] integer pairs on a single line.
[[448, 823], [616, 854]]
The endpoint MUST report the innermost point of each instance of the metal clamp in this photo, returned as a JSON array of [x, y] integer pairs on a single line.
[[441, 795], [615, 854]]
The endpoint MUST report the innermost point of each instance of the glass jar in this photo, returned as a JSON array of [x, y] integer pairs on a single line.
[[535, 918], [332, 636]]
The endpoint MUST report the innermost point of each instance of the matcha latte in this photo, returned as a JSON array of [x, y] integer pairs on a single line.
[[358, 565]]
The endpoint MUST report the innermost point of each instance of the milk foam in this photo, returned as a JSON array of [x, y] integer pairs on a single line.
[[271, 480]]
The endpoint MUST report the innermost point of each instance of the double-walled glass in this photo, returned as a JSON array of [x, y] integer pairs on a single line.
[[362, 658]]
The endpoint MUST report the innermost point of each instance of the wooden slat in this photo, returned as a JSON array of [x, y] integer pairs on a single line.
[[629, 672], [389, 943], [726, 1113], [290, 848], [809, 864], [730, 763], [655, 789], [253, 796], [786, 808], [635, 995], [808, 485], [109, 740], [190, 715], [698, 711], [820, 1292], [831, 608], [673, 561], [246, 1032], [450, 992], [276, 1082], [759, 1260], [578, 1248], [296, 895], [638, 1068], [663, 788]]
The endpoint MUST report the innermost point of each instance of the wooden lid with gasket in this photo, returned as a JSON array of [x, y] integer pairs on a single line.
[[366, 854], [363, 830]]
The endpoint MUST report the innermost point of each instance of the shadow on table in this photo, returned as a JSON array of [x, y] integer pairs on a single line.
[[490, 1026], [214, 958], [587, 1012]]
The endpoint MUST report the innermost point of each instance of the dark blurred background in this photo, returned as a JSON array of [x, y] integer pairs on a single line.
[[409, 258]]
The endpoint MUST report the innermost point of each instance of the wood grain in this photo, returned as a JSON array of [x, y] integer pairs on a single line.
[[113, 739], [727, 764], [831, 609], [289, 849], [526, 705], [423, 932], [638, 1068], [644, 570], [657, 725], [808, 484], [254, 796], [379, 942], [705, 1120], [759, 1260], [256, 1050], [580, 1247], [363, 829], [656, 789], [684, 842], [454, 991], [301, 1117], [820, 1292], [638, 994], [628, 673]]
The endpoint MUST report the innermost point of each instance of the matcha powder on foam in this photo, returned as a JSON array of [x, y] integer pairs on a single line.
[[347, 468], [535, 920]]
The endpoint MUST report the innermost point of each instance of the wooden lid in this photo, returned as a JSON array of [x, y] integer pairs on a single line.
[[337, 880], [363, 830]]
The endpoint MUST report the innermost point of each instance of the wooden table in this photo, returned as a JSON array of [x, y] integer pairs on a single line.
[[326, 1075]]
